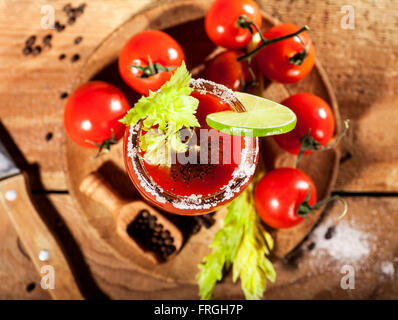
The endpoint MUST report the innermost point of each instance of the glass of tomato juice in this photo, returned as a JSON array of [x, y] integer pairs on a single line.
[[215, 172]]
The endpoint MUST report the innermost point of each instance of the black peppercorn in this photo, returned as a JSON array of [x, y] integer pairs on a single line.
[[59, 27], [71, 20], [67, 8], [47, 40], [78, 40], [36, 50], [63, 95], [81, 8], [75, 57], [311, 246], [30, 41], [27, 50], [330, 232], [48, 136], [150, 235]]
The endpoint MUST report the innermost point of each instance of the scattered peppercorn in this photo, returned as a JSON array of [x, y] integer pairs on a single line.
[[47, 40], [30, 41], [59, 27], [330, 232], [64, 95], [72, 14], [62, 56], [80, 9], [71, 20], [311, 246], [36, 50], [75, 57], [48, 136], [78, 40], [27, 50], [67, 7], [30, 287]]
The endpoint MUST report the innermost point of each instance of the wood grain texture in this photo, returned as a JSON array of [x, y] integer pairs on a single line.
[[31, 87], [36, 236], [309, 274], [184, 21], [124, 212], [361, 65], [18, 277]]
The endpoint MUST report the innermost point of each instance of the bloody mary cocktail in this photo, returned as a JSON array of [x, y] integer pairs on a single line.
[[216, 169]]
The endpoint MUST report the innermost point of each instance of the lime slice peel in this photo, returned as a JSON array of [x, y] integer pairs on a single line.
[[262, 118]]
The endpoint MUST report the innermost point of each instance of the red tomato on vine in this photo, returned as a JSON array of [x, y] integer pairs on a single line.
[[221, 22], [288, 60], [92, 113], [149, 59], [225, 69], [315, 124], [283, 196]]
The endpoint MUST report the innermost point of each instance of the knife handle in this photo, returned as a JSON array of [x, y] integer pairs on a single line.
[[35, 236]]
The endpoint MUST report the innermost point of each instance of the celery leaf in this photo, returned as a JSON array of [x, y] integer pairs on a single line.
[[169, 109], [242, 243]]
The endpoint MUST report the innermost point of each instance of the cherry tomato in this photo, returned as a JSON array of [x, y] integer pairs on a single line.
[[148, 47], [275, 60], [279, 194], [92, 113], [225, 69], [315, 123], [221, 22]]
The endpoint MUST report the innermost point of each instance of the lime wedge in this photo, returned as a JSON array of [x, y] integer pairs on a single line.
[[262, 118]]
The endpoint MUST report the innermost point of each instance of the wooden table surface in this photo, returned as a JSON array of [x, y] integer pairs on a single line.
[[362, 66]]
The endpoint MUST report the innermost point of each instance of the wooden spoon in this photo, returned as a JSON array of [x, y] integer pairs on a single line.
[[124, 212]]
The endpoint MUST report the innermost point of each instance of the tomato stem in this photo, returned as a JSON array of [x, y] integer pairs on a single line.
[[151, 69], [244, 22], [105, 145], [247, 24], [298, 58], [305, 208], [309, 143]]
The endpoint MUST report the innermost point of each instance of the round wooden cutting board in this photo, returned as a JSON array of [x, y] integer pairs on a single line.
[[184, 20]]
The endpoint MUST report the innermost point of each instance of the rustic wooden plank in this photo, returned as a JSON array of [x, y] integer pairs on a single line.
[[18, 277], [36, 236], [357, 62], [113, 275], [30, 104], [359, 65], [185, 24], [365, 238]]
